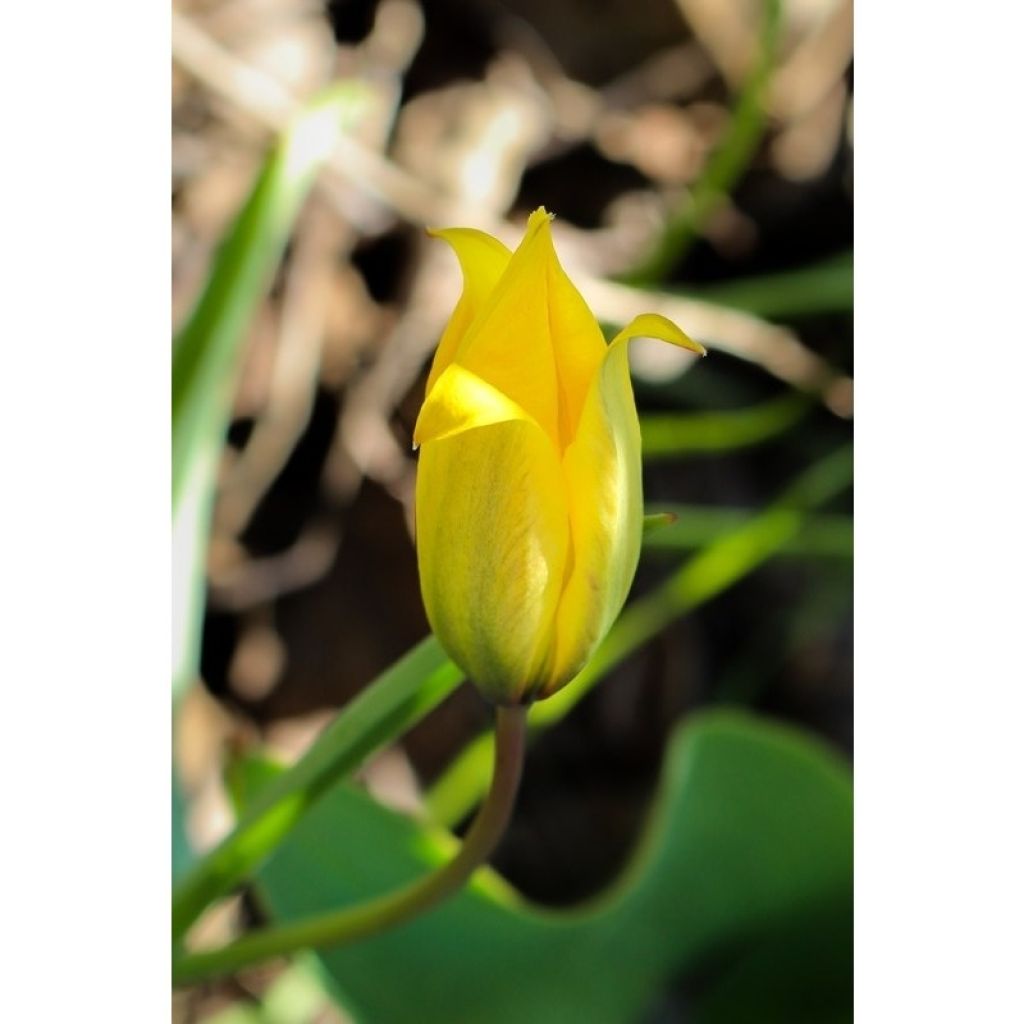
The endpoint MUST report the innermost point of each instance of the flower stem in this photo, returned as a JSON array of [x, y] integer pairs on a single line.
[[377, 915]]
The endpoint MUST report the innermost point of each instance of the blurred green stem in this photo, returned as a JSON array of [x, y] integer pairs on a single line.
[[671, 434], [691, 527], [377, 915], [823, 287], [725, 166], [208, 347]]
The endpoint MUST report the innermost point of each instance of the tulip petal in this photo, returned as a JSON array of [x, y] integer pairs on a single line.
[[460, 400], [579, 345], [492, 541], [654, 325], [483, 260], [535, 340], [603, 476]]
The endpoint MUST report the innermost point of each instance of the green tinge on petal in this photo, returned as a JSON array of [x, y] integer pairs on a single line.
[[492, 542], [602, 469], [483, 260], [529, 510], [603, 478]]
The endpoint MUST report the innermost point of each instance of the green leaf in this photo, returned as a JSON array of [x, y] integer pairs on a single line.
[[207, 347], [182, 855], [726, 164], [691, 527], [825, 287], [747, 857], [397, 700], [666, 435]]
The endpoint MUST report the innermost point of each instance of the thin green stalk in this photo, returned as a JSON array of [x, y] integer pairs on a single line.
[[725, 166], [377, 915], [710, 572]]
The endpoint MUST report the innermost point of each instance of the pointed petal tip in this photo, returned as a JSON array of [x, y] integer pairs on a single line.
[[539, 217], [654, 325]]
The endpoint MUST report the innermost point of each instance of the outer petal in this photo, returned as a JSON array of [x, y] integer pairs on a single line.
[[535, 340], [579, 347], [459, 401], [654, 325], [492, 541], [483, 260], [602, 468]]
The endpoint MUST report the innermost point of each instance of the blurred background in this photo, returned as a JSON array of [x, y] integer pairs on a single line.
[[698, 157]]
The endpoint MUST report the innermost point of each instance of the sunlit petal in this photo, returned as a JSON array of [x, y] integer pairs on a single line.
[[529, 511], [483, 260], [603, 479], [492, 540], [460, 400], [509, 343]]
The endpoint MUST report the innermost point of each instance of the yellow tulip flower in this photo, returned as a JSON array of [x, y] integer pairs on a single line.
[[529, 512]]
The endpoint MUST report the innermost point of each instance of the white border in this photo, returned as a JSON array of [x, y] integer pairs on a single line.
[[85, 756], [939, 513]]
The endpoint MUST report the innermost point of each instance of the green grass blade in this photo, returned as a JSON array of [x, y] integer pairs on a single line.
[[666, 435], [393, 703], [725, 166], [693, 526], [207, 347], [825, 287]]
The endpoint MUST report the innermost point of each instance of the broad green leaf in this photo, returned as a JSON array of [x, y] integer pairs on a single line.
[[207, 347], [742, 884]]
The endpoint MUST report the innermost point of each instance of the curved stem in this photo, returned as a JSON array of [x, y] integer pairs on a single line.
[[376, 915]]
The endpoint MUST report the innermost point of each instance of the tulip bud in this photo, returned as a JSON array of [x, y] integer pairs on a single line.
[[529, 512]]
